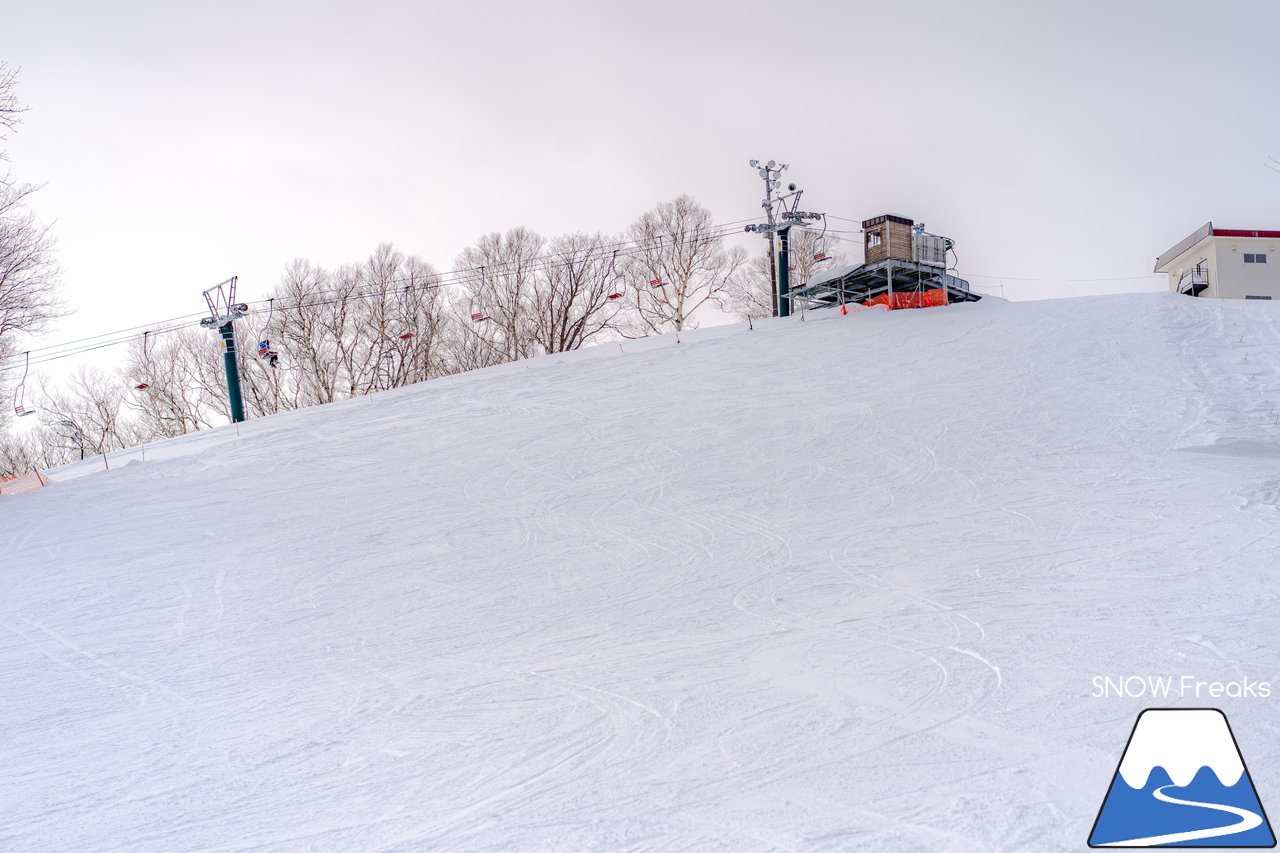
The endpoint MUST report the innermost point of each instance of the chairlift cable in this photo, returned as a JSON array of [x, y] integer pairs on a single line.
[[146, 362], [264, 343], [821, 242], [20, 392]]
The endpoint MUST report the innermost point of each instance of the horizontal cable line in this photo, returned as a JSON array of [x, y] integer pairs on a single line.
[[19, 362], [130, 330]]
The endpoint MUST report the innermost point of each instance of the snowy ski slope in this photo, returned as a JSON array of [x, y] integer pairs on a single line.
[[834, 585]]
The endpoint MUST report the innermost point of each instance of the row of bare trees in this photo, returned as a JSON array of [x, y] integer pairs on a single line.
[[28, 270], [394, 319]]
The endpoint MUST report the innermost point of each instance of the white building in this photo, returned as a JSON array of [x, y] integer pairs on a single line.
[[1224, 264]]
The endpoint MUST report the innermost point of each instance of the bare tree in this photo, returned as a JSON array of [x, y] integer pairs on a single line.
[[305, 330], [399, 321], [83, 417], [503, 287], [750, 297], [680, 264], [28, 273], [579, 294], [420, 351], [362, 328], [467, 347], [11, 109], [21, 452], [178, 370]]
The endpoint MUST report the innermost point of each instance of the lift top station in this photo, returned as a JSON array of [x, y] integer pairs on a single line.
[[905, 267]]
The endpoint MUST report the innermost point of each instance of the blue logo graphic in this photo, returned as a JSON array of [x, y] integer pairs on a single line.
[[1182, 783]]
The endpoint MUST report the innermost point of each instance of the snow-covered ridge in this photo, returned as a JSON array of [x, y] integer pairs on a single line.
[[1181, 741]]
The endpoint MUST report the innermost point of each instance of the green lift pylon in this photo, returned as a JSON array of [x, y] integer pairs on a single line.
[[223, 312], [233, 372], [784, 271]]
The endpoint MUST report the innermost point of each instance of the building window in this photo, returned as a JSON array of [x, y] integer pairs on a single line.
[[1257, 297], [873, 239], [1255, 259]]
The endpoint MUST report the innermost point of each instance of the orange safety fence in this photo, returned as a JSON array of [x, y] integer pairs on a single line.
[[16, 484], [910, 299]]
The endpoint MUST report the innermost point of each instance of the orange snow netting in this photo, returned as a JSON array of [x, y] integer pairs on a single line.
[[16, 484], [910, 299]]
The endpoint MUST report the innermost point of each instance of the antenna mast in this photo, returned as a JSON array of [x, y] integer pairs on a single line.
[[782, 217]]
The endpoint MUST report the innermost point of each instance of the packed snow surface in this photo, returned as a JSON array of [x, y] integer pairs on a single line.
[[839, 584]]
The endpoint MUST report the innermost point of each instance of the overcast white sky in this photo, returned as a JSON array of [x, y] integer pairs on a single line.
[[184, 143]]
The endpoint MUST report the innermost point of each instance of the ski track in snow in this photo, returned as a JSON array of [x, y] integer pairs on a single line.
[[832, 585]]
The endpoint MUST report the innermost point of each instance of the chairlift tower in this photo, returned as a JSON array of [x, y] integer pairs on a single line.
[[783, 215], [223, 312]]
